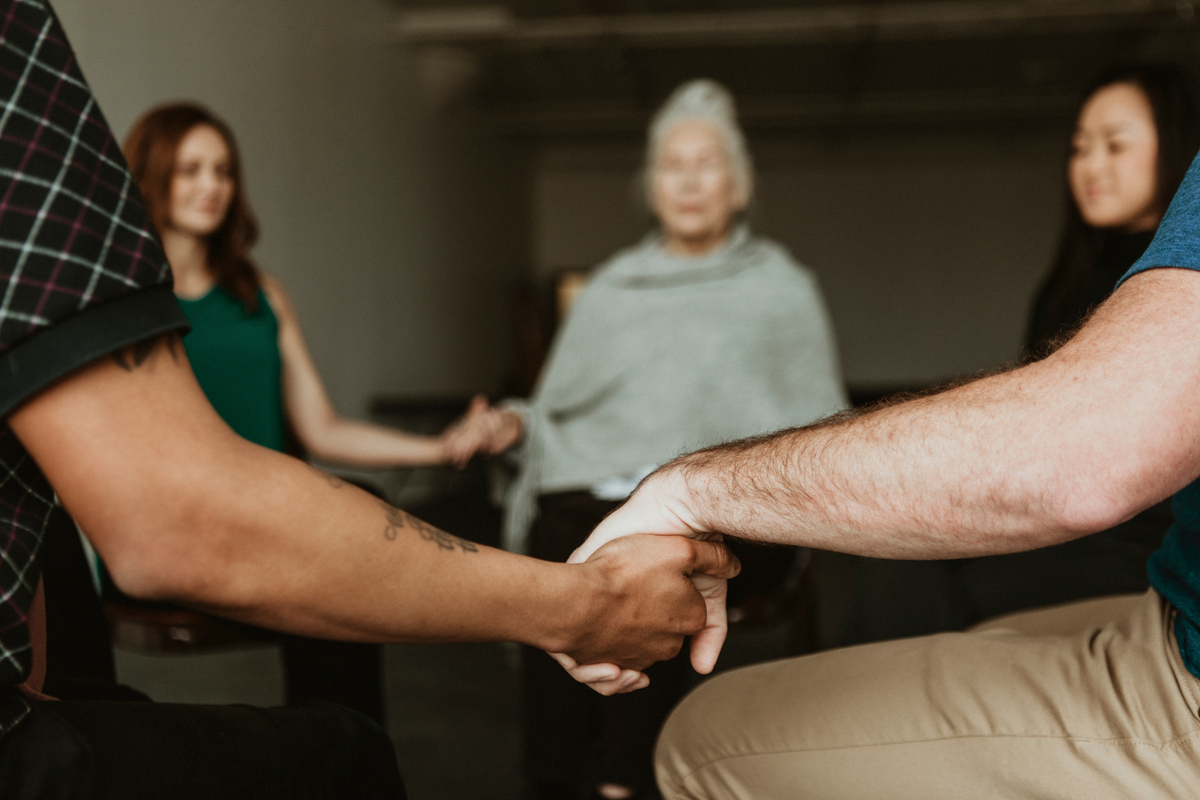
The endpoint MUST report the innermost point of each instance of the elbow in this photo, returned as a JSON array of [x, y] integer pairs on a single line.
[[318, 437], [1102, 492], [159, 566], [167, 555], [144, 575], [148, 571], [1086, 516], [1089, 506]]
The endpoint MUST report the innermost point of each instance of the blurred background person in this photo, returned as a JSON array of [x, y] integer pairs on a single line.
[[249, 355], [1135, 135], [699, 334]]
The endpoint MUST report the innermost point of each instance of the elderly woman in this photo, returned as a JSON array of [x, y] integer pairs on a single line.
[[699, 334]]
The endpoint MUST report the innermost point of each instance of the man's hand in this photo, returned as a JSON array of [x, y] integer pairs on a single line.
[[608, 679], [659, 506], [652, 604]]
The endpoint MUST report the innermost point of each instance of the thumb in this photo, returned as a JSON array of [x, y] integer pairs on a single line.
[[713, 558], [706, 645], [604, 533]]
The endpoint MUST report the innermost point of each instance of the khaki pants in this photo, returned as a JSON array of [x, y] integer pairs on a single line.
[[1089, 700]]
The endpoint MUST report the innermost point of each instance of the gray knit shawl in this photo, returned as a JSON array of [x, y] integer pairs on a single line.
[[662, 355]]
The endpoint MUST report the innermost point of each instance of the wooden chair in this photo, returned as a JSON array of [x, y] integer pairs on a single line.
[[171, 630], [165, 628]]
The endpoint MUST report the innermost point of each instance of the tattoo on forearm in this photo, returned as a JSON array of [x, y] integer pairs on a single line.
[[397, 519], [131, 357], [332, 480]]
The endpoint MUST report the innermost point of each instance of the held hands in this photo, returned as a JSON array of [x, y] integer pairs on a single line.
[[658, 507], [658, 591], [481, 429]]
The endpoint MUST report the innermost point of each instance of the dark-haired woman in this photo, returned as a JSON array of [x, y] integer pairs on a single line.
[[248, 353], [1135, 136]]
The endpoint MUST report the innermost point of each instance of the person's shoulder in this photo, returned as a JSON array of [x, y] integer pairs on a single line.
[[774, 255], [769, 248], [277, 297], [623, 259]]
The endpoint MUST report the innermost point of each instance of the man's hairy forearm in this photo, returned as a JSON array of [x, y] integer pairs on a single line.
[[1075, 443], [884, 484]]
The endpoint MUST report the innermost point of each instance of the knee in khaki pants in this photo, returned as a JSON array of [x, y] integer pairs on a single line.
[[1081, 701]]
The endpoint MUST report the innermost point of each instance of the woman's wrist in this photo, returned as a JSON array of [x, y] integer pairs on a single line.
[[510, 430], [440, 450]]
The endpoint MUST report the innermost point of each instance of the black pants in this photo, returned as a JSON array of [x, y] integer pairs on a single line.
[[93, 750], [567, 726], [346, 673], [899, 599]]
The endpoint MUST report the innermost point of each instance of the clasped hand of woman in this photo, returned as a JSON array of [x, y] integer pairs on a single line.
[[482, 429]]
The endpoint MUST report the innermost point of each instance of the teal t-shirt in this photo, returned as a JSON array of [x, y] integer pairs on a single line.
[[1175, 568], [235, 355]]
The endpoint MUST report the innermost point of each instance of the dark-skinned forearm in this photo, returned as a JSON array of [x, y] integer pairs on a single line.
[[299, 550], [182, 508]]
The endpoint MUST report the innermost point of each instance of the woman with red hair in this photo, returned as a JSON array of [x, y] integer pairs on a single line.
[[248, 353]]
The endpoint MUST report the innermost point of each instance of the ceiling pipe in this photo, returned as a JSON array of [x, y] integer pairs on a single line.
[[792, 113], [875, 21]]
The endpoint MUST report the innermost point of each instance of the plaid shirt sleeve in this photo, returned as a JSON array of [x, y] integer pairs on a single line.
[[82, 274]]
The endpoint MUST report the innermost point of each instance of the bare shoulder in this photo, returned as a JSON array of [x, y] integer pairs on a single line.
[[277, 296]]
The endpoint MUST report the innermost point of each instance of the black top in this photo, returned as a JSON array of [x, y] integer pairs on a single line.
[[1118, 251], [82, 274]]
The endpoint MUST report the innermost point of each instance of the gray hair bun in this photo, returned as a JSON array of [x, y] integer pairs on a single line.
[[707, 101]]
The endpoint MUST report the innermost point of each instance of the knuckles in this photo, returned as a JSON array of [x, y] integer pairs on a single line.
[[652, 605], [670, 649], [695, 619]]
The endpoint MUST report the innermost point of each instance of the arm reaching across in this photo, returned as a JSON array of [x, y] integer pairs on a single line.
[[1105, 426], [324, 433], [182, 509]]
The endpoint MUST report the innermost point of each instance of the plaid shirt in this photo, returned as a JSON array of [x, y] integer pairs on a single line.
[[81, 274]]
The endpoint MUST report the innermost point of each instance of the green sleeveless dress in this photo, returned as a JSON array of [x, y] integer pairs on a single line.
[[235, 355]]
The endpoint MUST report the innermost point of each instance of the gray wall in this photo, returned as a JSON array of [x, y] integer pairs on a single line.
[[378, 214], [398, 228], [928, 247]]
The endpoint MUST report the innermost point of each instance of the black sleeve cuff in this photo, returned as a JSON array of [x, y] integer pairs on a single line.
[[53, 353]]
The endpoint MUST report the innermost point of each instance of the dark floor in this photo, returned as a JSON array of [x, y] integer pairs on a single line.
[[453, 709]]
